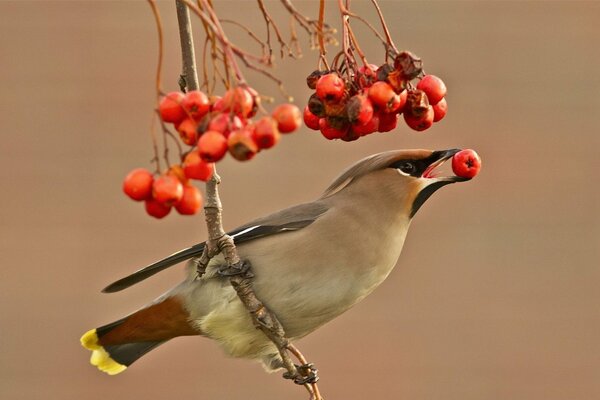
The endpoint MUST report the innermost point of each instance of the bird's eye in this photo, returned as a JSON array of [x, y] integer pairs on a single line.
[[407, 167]]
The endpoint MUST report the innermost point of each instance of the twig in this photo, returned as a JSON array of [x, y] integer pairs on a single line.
[[188, 56]]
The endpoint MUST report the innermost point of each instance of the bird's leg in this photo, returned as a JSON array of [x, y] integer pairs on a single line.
[[240, 275]]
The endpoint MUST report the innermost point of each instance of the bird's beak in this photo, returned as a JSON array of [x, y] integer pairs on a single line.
[[437, 159]]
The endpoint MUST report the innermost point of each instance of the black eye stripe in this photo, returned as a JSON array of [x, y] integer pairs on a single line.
[[419, 165]]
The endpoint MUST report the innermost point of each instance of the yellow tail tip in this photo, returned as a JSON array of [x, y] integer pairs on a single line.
[[100, 358]]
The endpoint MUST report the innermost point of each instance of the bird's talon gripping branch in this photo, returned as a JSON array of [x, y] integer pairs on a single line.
[[240, 268]]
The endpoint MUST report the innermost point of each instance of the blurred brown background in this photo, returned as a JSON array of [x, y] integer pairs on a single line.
[[495, 295]]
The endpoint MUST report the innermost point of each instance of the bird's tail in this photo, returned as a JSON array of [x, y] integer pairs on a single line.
[[118, 345]]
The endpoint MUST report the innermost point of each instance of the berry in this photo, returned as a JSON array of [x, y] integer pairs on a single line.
[[170, 108], [365, 129], [330, 87], [138, 184], [332, 128], [420, 123], [224, 123], [388, 122], [265, 133], [434, 88], [191, 201], [408, 65], [187, 131], [212, 146], [311, 80], [440, 110], [241, 145], [383, 96], [366, 75], [466, 163], [216, 103], [194, 167], [316, 106], [167, 189], [239, 101], [196, 104], [288, 117], [359, 109], [417, 103], [176, 170], [310, 119], [157, 209]]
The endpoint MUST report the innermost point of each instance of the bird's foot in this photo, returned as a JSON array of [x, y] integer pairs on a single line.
[[242, 268], [305, 374]]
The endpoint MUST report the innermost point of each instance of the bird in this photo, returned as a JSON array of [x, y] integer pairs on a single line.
[[311, 262]]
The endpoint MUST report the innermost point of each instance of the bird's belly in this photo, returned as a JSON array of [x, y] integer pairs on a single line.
[[306, 294]]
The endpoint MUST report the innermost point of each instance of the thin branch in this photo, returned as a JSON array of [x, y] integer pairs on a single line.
[[159, 31], [188, 56]]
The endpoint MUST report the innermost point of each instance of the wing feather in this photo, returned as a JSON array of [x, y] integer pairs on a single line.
[[290, 219]]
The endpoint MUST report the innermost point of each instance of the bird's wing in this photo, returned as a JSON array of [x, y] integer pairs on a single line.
[[290, 219]]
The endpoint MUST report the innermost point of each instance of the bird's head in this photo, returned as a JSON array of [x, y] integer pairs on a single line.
[[413, 174]]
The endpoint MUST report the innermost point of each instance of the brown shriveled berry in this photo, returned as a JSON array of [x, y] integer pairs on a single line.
[[408, 65], [359, 109], [316, 106], [383, 72], [333, 128], [311, 80], [417, 103]]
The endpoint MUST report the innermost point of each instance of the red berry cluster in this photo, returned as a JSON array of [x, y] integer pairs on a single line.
[[212, 126], [221, 124], [372, 99], [171, 189]]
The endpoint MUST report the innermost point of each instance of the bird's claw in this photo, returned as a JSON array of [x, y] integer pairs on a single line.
[[305, 374], [242, 268]]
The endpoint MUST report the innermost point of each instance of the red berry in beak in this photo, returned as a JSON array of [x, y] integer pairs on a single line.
[[466, 163]]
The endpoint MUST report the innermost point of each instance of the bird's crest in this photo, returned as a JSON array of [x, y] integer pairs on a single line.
[[370, 164]]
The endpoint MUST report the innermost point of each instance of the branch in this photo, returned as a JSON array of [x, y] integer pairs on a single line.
[[240, 275]]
